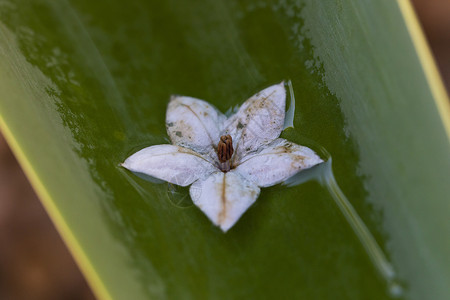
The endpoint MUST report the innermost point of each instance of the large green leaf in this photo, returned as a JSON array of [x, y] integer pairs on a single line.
[[83, 84]]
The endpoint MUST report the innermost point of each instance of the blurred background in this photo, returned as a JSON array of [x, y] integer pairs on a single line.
[[35, 263]]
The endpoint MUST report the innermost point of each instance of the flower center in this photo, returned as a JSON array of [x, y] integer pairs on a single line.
[[225, 151]]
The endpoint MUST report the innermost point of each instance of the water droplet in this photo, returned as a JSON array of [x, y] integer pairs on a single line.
[[179, 196]]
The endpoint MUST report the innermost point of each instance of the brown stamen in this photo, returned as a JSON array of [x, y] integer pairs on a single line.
[[225, 148]]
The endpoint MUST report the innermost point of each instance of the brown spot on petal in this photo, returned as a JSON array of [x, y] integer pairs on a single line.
[[223, 212]]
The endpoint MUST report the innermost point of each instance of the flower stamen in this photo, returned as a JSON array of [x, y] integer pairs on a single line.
[[225, 152]]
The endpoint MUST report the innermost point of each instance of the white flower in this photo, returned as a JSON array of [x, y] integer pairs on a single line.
[[226, 160]]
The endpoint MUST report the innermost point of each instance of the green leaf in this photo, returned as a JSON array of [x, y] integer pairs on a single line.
[[84, 84]]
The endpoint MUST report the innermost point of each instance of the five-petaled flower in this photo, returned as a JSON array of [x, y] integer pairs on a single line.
[[226, 160]]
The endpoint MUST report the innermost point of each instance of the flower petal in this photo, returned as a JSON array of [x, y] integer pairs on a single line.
[[171, 163], [224, 197], [194, 124], [258, 121], [277, 162]]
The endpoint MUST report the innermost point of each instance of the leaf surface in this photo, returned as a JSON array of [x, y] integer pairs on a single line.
[[84, 84]]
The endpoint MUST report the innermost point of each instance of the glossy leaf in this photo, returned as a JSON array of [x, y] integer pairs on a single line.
[[84, 84]]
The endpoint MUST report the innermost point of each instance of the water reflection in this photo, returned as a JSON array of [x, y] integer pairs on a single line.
[[289, 117], [323, 173]]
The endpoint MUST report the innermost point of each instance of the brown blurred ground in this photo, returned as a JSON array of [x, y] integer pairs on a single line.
[[35, 264], [434, 16]]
